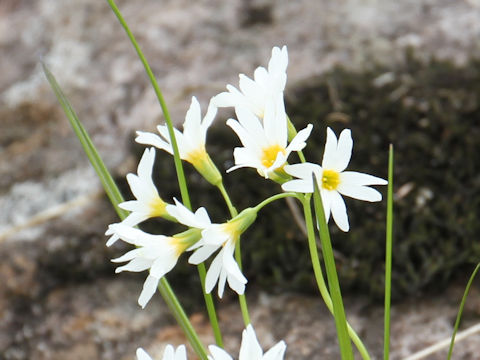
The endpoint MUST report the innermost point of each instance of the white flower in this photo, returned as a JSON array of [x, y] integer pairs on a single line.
[[198, 220], [148, 203], [265, 143], [157, 253], [191, 143], [332, 180], [266, 86], [170, 353], [223, 268], [250, 349]]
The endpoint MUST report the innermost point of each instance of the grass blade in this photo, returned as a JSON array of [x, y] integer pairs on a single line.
[[388, 257], [460, 311], [338, 309], [106, 179], [116, 197]]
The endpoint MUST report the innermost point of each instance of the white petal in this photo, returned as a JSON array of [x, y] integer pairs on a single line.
[[250, 348], [356, 178], [147, 138], [326, 201], [215, 235], [181, 353], [194, 113], [329, 154], [299, 141], [136, 265], [112, 240], [134, 218], [163, 264], [132, 254], [218, 353], [303, 171], [199, 220], [137, 187], [249, 87], [252, 126], [344, 150], [202, 254], [300, 186], [149, 288], [277, 352], [360, 192], [142, 355], [145, 165], [245, 137], [135, 236], [224, 99], [131, 205], [261, 76], [279, 61], [169, 353], [233, 270], [275, 122], [183, 146], [222, 279], [209, 116], [339, 211], [236, 285], [245, 157], [213, 273], [192, 130]]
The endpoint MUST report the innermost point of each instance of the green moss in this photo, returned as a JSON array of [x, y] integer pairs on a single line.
[[430, 112]]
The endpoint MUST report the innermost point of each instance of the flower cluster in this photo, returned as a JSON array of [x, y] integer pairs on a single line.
[[269, 143], [250, 349], [262, 127]]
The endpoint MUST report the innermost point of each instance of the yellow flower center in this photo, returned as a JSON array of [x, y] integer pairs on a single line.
[[270, 153], [330, 179], [182, 241], [197, 156], [157, 207], [232, 229], [177, 245]]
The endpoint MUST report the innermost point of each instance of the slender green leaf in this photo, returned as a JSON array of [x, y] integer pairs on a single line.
[[116, 197], [460, 311], [317, 270], [107, 181], [338, 309], [388, 257]]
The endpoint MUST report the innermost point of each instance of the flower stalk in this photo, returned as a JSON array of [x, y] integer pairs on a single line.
[[317, 270], [181, 180]]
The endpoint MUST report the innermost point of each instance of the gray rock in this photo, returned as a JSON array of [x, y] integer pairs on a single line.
[[58, 299]]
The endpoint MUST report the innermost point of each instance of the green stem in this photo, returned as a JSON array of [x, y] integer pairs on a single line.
[[322, 286], [274, 198], [212, 314], [182, 319], [231, 208], [333, 284], [176, 157], [388, 258], [460, 311], [242, 298]]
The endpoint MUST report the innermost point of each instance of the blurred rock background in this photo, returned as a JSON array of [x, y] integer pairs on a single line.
[[59, 297]]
